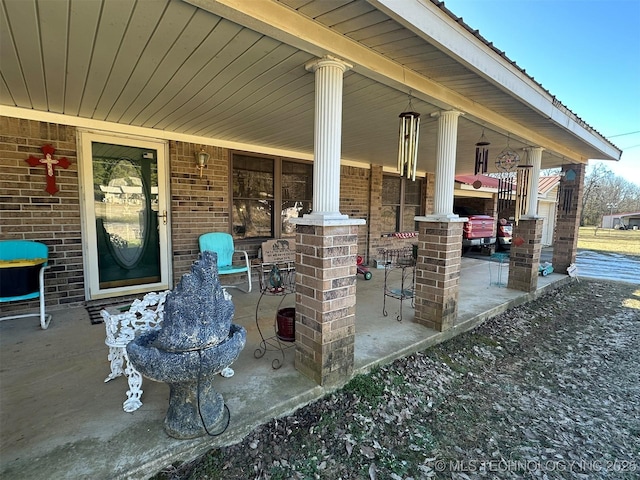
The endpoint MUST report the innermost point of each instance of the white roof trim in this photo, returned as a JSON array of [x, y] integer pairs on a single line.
[[449, 36]]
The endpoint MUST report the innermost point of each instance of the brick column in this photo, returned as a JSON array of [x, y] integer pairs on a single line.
[[438, 272], [326, 301], [525, 258], [565, 241]]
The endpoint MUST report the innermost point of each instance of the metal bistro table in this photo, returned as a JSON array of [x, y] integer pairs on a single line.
[[403, 288], [277, 278]]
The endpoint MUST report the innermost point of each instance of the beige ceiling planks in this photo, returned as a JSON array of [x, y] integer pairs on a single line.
[[246, 84], [174, 22], [375, 29], [194, 71], [14, 88], [117, 94], [54, 25], [83, 28], [113, 24], [363, 25], [24, 27], [285, 78], [254, 110], [296, 111], [229, 43], [280, 106], [344, 13], [241, 63], [317, 9]]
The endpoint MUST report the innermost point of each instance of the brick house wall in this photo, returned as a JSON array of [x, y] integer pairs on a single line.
[[28, 212], [198, 205], [354, 201]]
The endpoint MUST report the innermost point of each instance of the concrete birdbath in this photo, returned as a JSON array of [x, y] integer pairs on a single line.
[[196, 342]]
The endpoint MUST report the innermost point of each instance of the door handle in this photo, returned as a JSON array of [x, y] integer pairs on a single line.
[[163, 216]]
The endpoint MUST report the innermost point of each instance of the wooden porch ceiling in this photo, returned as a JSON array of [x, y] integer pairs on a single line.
[[186, 67]]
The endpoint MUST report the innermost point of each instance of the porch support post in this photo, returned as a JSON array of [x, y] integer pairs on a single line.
[[535, 160], [327, 135], [446, 145], [565, 242], [440, 238], [326, 247], [524, 259]]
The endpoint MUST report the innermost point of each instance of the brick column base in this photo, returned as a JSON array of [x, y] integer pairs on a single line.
[[525, 258], [438, 273], [326, 301]]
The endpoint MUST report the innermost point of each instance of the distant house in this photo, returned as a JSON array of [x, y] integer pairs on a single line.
[[622, 220]]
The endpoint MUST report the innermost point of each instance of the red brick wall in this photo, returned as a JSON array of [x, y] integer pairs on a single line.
[[376, 241], [28, 212], [354, 200], [198, 205]]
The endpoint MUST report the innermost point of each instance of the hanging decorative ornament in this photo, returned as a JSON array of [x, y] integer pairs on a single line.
[[408, 142], [482, 155], [507, 159]]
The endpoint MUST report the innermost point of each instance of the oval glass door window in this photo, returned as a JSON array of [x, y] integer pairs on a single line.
[[125, 219]]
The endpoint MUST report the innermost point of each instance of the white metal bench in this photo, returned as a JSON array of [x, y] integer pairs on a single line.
[[143, 315]]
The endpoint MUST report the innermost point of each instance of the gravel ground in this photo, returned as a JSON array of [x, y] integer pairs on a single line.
[[550, 389]]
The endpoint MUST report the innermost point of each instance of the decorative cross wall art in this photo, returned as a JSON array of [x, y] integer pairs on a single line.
[[50, 163]]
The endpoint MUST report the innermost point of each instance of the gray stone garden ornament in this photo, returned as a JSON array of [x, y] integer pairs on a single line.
[[196, 341]]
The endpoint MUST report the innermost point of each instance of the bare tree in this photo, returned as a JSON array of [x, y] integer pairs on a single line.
[[602, 189]]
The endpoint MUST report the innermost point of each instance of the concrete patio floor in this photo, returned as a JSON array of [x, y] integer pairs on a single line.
[[60, 420]]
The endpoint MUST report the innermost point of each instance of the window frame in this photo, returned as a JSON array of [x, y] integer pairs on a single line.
[[403, 205], [277, 199]]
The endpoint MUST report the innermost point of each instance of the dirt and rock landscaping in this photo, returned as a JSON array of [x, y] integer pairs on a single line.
[[550, 389]]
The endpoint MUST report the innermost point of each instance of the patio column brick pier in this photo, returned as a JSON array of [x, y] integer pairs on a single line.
[[525, 259], [565, 242], [440, 238], [327, 246], [438, 273], [326, 301]]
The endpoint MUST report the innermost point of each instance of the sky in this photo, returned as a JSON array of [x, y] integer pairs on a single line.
[[585, 52]]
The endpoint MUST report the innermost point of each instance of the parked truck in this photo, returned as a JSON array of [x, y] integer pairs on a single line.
[[478, 231]]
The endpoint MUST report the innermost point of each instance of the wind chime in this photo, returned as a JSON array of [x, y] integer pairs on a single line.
[[482, 159], [408, 142], [482, 155], [507, 160]]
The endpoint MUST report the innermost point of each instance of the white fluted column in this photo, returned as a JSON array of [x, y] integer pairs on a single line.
[[327, 136], [445, 162], [535, 160]]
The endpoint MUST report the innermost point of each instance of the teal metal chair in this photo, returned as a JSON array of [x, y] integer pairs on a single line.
[[22, 266], [222, 245]]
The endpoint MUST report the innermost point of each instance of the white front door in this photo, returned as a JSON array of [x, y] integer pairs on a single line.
[[125, 219]]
